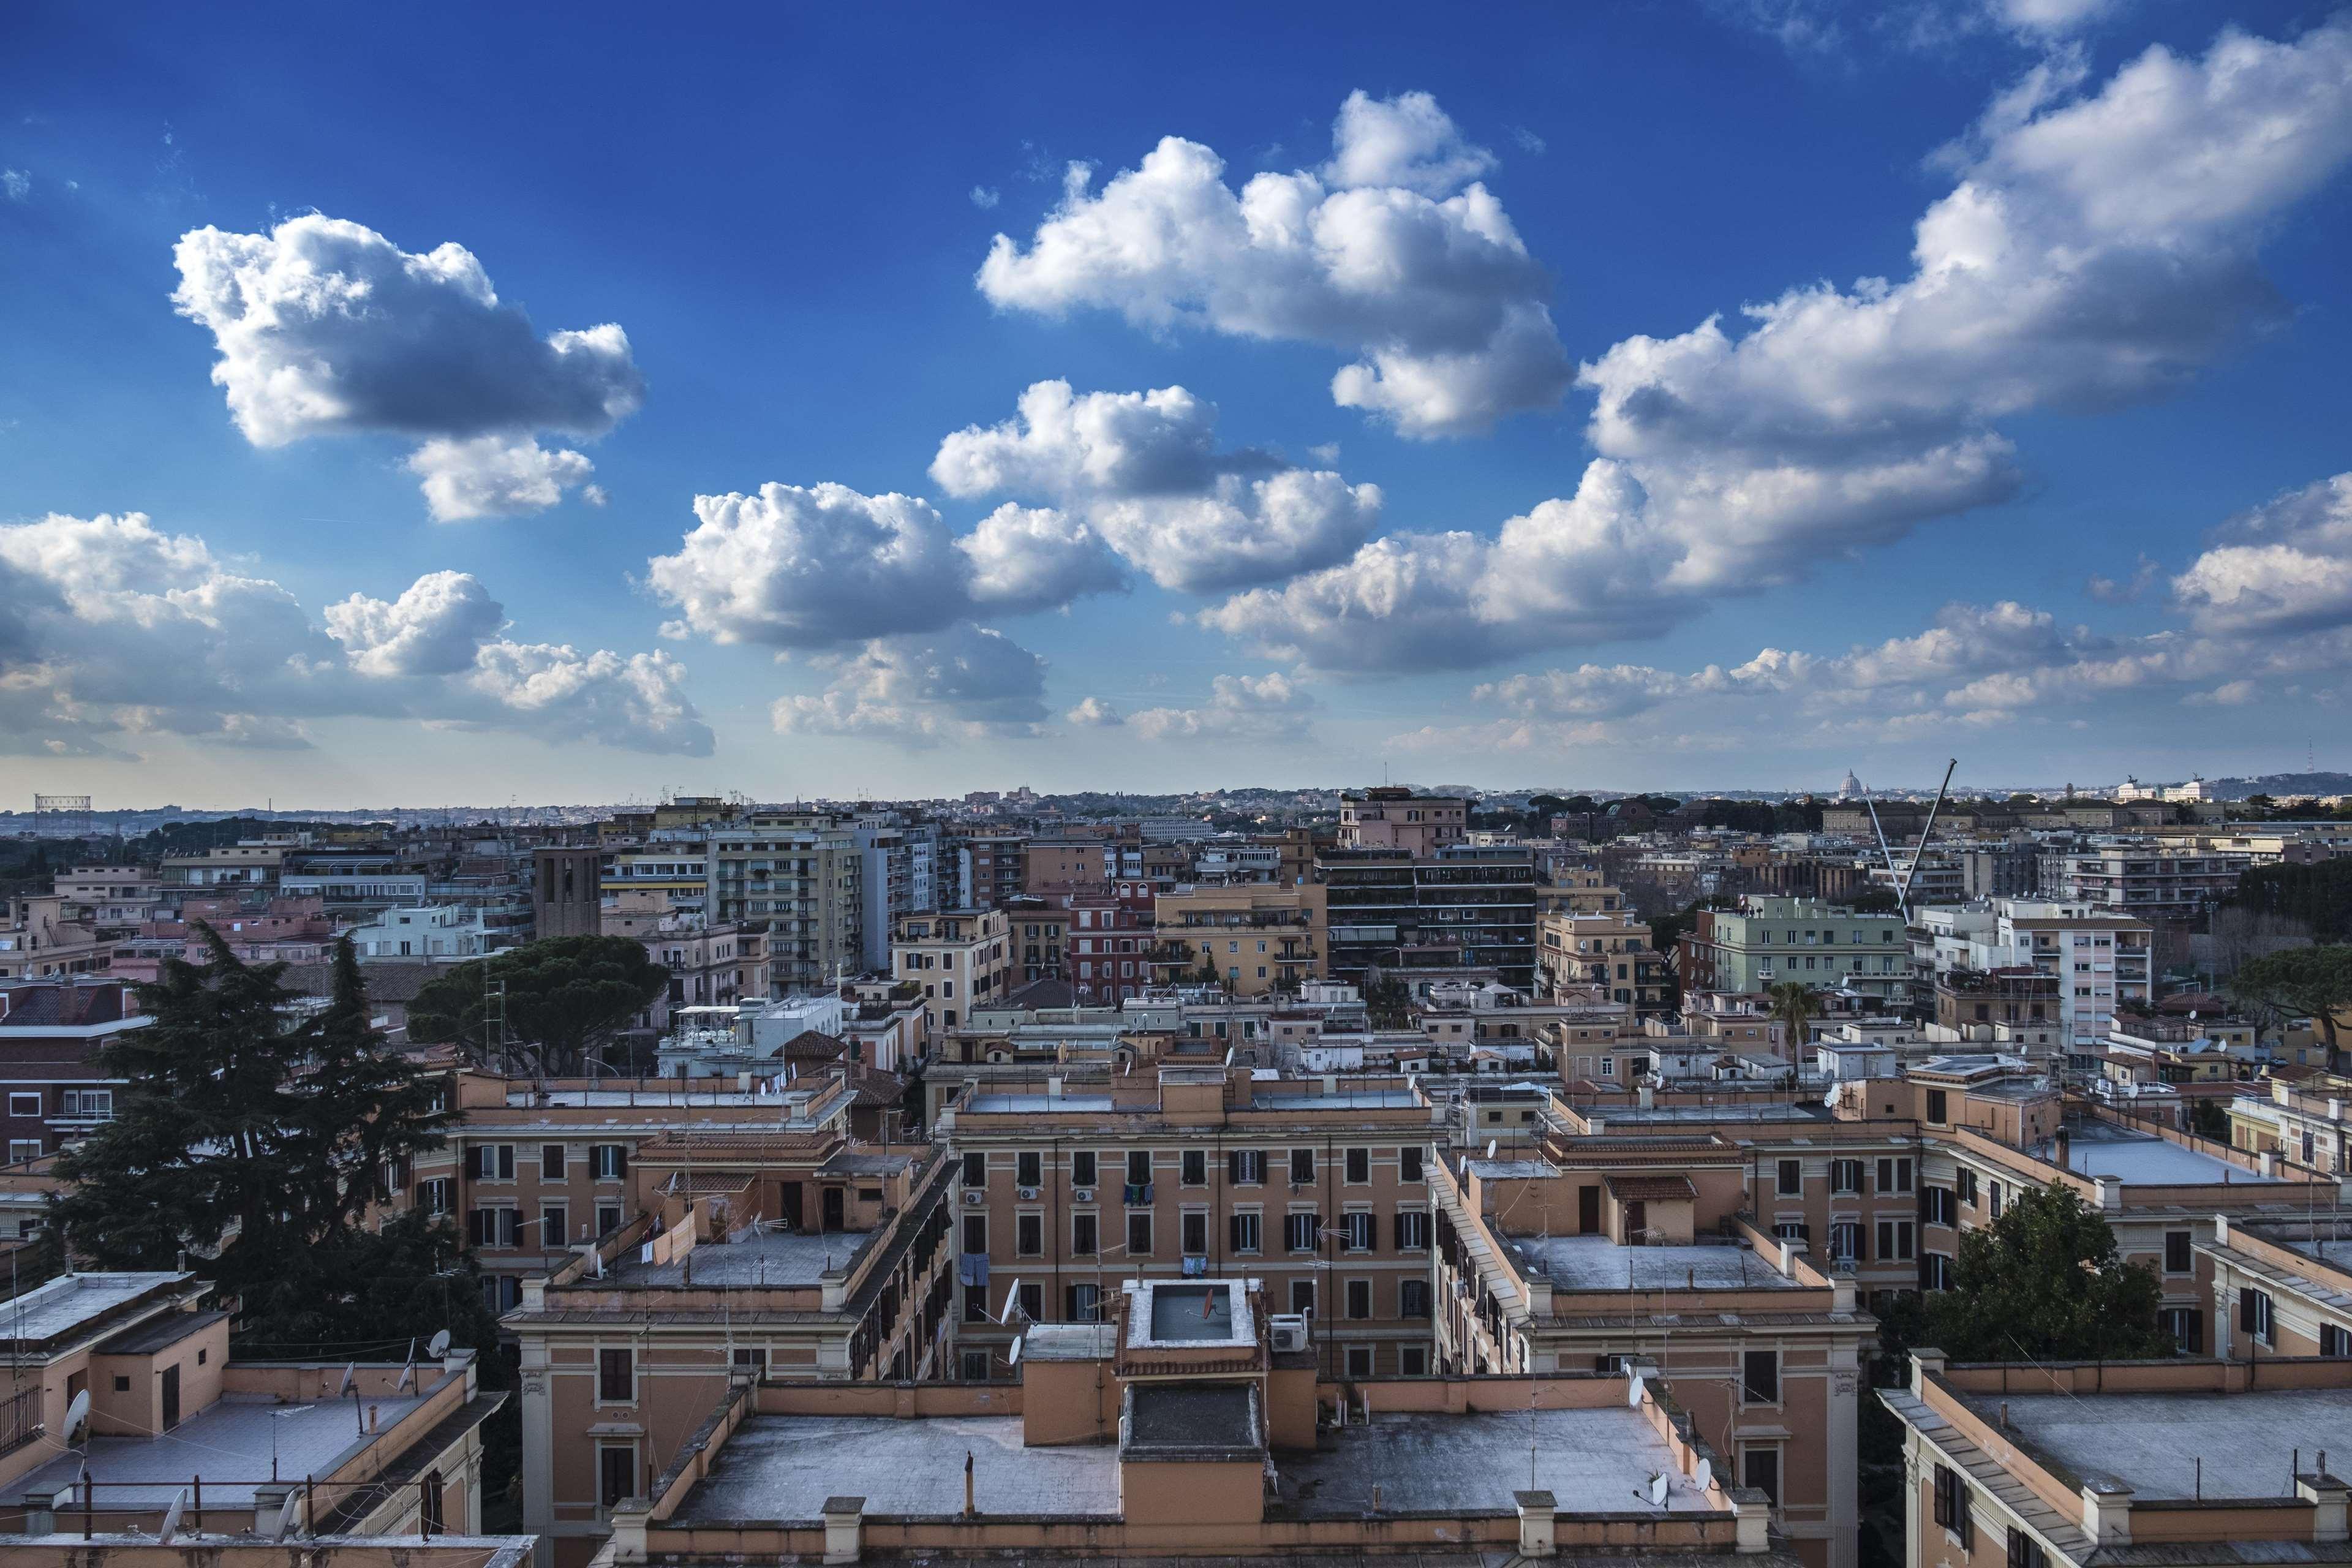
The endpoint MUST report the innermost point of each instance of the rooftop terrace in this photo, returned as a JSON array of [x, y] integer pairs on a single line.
[[2097, 1149], [1594, 1460], [1597, 1263], [228, 1445], [769, 1258], [2153, 1442], [784, 1467]]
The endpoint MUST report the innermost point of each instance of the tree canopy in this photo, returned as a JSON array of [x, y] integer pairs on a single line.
[[2318, 896], [565, 997], [2300, 982], [2043, 1283]]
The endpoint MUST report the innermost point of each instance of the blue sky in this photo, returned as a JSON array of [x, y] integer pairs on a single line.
[[1391, 431]]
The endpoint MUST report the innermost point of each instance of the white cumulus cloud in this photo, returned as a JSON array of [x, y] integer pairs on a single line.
[[965, 683]]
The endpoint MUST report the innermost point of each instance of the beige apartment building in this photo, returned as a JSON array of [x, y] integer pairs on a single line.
[[800, 875], [39, 940], [1318, 1187], [1608, 951], [757, 1255], [1259, 938], [963, 959]]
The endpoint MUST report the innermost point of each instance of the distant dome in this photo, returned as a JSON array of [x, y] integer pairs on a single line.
[[1851, 787]]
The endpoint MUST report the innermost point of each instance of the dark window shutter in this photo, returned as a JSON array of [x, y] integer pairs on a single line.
[[2246, 1308]]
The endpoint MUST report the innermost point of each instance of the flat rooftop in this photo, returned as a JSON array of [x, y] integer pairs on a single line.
[[1357, 1100], [2098, 1149], [228, 1444], [1597, 1263], [771, 1258], [1181, 1312], [783, 1468], [1032, 1104], [2152, 1442], [64, 1305], [1594, 1461]]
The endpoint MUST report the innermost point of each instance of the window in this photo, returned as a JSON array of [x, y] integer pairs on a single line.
[[1952, 1505], [2024, 1551], [1082, 1168], [1939, 1275], [1245, 1167], [616, 1474], [2177, 1258], [1845, 1175], [1028, 1169], [1893, 1175], [1790, 1179], [1243, 1229], [1029, 1235], [1192, 1234], [1359, 1299], [1083, 1235], [1992, 1195], [751, 1360], [1139, 1167], [1939, 1106], [1358, 1168], [1967, 1187], [1760, 1469], [1940, 1208], [616, 1377], [1361, 1228], [23, 1149], [551, 1161], [1138, 1233], [24, 1104], [2187, 1327], [1845, 1241], [1193, 1168], [2333, 1341], [1894, 1240], [1302, 1295], [1412, 1298], [1084, 1303], [1359, 1360], [1412, 1230], [1033, 1301], [1302, 1165], [1759, 1377], [494, 1227], [1409, 1162], [608, 1218], [609, 1161], [1412, 1361], [554, 1226], [973, 1366], [976, 1170], [490, 1162], [1302, 1231]]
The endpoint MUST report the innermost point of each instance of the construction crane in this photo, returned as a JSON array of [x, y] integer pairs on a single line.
[[1903, 875]]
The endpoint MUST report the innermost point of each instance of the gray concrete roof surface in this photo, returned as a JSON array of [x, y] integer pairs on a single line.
[[784, 1467], [1594, 1461], [772, 1258], [2152, 1442], [1597, 1263], [229, 1444]]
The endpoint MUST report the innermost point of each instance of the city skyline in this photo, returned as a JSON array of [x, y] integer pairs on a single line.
[[1625, 397]]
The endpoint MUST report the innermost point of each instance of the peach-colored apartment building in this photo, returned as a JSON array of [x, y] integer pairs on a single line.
[[1318, 1187], [1396, 818], [363, 1449], [2181, 1461], [1188, 1425]]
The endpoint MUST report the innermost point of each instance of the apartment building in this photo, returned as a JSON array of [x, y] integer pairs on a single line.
[[1040, 932], [2193, 1460], [428, 930], [51, 1034], [1189, 1426], [800, 875], [2283, 1285], [1258, 938], [370, 1448], [963, 959], [2143, 880], [1617, 1250], [252, 864], [761, 1253], [1770, 939], [1397, 818], [2307, 1127], [1110, 947], [1318, 1187], [2101, 958], [1608, 951], [709, 964], [1467, 915], [996, 867], [111, 900], [39, 940]]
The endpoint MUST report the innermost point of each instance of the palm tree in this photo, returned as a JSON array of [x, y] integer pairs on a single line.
[[1795, 1006]]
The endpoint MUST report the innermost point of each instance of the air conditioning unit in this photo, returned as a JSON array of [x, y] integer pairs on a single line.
[[1082, 1195], [974, 1197], [1288, 1330], [1028, 1194]]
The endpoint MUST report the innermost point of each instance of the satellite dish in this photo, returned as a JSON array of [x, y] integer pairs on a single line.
[[1013, 1355], [1703, 1476], [286, 1516], [171, 1526], [1633, 1391], [1658, 1490], [351, 1376], [78, 1416], [438, 1345], [1491, 1144]]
